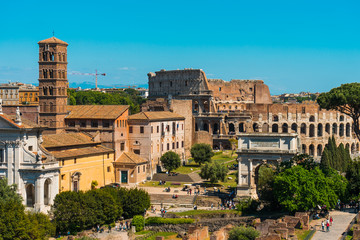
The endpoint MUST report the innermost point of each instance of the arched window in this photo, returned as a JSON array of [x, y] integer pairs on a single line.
[[294, 127], [206, 106], [75, 179], [231, 128], [347, 146], [311, 150], [215, 128], [320, 130], [341, 118], [196, 107], [205, 126], [275, 118], [319, 150], [285, 128], [30, 195], [275, 128], [312, 130], [255, 127], [312, 119], [241, 127], [341, 130], [334, 129]]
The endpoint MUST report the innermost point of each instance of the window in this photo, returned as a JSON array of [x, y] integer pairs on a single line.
[[173, 145], [74, 160], [144, 168], [117, 122], [108, 155], [122, 146], [2, 158], [62, 176], [303, 110], [137, 151], [152, 129], [82, 124], [130, 129], [30, 148], [219, 89], [63, 162], [108, 169], [106, 124], [168, 146], [177, 144], [157, 129], [71, 124], [138, 169], [141, 129], [182, 144], [94, 124]]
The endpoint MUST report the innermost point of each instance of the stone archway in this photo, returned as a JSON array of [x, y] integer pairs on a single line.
[[47, 191], [262, 173]]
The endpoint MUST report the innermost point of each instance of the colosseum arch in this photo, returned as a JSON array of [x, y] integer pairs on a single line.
[[319, 150], [347, 146], [242, 127], [341, 130], [294, 127], [312, 130], [303, 129], [205, 126], [357, 147], [311, 150], [327, 128], [285, 128], [353, 148], [341, 118], [348, 129], [215, 128], [255, 127], [311, 118], [231, 128], [334, 129], [303, 149], [275, 118]]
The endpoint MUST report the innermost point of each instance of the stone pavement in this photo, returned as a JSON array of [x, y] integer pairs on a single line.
[[340, 224]]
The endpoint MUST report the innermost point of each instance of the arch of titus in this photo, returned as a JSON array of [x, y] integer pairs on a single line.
[[256, 149]]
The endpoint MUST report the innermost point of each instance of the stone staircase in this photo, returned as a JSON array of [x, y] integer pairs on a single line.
[[167, 200]]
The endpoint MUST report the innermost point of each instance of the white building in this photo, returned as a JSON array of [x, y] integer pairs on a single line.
[[25, 163]]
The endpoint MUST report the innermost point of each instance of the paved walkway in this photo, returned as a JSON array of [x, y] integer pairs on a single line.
[[340, 224]]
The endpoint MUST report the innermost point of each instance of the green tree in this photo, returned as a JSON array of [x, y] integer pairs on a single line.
[[345, 99], [353, 176], [201, 153], [266, 177], [243, 233], [213, 172], [138, 222], [170, 160], [336, 157], [299, 189]]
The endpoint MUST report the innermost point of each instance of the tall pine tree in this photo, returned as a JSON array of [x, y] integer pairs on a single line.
[[336, 157]]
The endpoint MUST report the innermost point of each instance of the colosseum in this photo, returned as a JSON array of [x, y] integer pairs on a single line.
[[216, 110]]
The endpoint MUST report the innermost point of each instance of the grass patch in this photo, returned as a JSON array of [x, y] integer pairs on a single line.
[[302, 234], [167, 235], [161, 221], [205, 212], [188, 168]]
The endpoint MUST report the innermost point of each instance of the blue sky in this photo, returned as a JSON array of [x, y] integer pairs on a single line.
[[292, 45]]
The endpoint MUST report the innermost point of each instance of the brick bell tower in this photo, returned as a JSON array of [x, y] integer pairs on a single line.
[[53, 84]]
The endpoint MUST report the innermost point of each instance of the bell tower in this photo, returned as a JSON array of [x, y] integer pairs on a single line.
[[53, 84]]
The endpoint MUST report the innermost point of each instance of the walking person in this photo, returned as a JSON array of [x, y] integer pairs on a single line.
[[327, 226], [323, 226], [331, 221]]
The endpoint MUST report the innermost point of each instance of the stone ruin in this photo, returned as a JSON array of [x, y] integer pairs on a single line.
[[282, 228]]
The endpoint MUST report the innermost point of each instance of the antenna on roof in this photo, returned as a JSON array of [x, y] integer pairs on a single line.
[[53, 33]]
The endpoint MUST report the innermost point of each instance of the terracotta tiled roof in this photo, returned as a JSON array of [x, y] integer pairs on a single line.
[[79, 152], [130, 158], [156, 116], [66, 139], [25, 123], [96, 111], [53, 40]]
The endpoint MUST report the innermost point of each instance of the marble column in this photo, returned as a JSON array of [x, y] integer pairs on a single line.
[[39, 194], [239, 172]]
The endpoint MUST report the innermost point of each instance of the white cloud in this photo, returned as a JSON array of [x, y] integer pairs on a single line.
[[126, 68]]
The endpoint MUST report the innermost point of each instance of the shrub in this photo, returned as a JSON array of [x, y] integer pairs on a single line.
[[247, 205], [243, 233], [170, 160], [201, 153], [160, 221], [138, 222]]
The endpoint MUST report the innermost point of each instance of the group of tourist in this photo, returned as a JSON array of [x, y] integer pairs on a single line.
[[326, 224], [229, 204]]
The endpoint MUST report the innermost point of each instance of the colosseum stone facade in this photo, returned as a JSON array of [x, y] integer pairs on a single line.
[[224, 109]]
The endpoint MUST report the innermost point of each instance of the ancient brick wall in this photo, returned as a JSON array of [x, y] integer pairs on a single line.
[[203, 137], [29, 112]]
